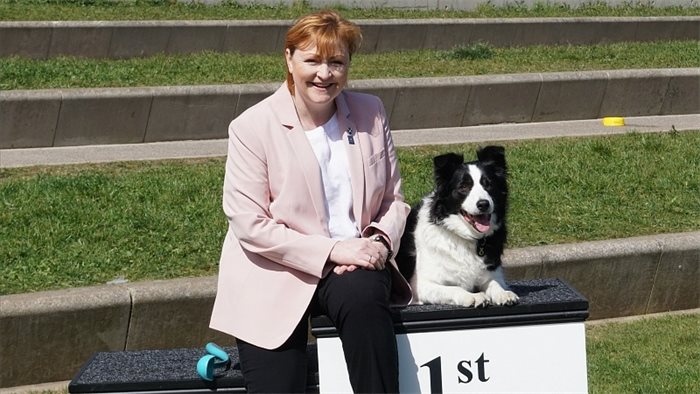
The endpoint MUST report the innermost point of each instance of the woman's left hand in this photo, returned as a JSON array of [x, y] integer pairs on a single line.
[[380, 261], [360, 252]]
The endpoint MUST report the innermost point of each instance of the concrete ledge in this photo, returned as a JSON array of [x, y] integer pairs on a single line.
[[125, 39], [29, 118], [683, 94], [673, 284], [184, 113], [433, 136], [89, 116], [172, 314], [56, 331], [428, 102], [47, 336], [622, 97], [621, 277], [503, 99], [577, 95], [71, 117]]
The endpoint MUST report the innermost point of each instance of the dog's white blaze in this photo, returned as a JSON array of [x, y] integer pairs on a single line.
[[457, 224], [477, 193]]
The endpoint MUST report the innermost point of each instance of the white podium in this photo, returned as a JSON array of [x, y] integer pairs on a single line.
[[538, 345]]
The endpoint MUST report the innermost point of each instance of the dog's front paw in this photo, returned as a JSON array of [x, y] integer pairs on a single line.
[[505, 297], [477, 300]]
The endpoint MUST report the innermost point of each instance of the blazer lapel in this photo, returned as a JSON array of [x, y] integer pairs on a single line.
[[305, 156], [355, 160]]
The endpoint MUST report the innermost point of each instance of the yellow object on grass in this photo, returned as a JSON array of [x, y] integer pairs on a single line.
[[613, 121]]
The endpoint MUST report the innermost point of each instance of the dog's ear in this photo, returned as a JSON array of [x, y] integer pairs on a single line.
[[447, 162], [494, 153], [445, 165]]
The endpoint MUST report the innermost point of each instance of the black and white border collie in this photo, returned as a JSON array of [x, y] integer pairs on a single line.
[[454, 238]]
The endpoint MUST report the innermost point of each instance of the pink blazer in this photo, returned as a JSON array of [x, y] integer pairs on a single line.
[[277, 245]]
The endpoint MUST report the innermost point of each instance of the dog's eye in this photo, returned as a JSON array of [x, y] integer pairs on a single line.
[[466, 186], [485, 182]]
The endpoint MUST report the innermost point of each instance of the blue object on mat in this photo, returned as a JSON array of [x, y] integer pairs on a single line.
[[216, 358]]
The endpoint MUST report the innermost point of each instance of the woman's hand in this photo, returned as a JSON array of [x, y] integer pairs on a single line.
[[350, 254], [341, 269]]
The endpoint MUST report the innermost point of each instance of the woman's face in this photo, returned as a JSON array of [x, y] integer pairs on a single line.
[[318, 81]]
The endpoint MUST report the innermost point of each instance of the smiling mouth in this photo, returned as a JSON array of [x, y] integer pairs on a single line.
[[322, 85], [481, 223]]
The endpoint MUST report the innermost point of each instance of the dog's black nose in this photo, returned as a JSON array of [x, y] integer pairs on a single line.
[[483, 205]]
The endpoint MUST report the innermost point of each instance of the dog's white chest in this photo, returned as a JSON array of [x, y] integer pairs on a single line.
[[443, 257]]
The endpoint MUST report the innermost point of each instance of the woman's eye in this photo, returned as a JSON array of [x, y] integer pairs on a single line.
[[338, 65]]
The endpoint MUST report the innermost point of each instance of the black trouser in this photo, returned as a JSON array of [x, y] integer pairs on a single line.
[[358, 304]]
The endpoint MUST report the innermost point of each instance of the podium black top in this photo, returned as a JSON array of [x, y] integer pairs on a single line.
[[542, 301], [166, 371]]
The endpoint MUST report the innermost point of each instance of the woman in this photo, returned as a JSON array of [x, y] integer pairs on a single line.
[[313, 197]]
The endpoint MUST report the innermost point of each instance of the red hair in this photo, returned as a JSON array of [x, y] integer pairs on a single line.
[[327, 30]]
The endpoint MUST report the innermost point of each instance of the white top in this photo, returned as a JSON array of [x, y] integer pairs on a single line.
[[327, 144]]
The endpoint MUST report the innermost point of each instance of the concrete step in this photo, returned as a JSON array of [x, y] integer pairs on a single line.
[[436, 136], [73, 117], [126, 39]]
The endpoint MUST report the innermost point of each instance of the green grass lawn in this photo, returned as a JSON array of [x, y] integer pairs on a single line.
[[652, 355], [168, 9], [82, 225], [225, 68]]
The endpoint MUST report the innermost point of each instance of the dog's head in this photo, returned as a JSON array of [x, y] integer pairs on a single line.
[[471, 198]]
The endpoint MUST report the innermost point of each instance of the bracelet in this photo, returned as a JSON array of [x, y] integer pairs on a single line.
[[379, 238]]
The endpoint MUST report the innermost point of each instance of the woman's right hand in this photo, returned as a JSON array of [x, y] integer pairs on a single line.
[[360, 252], [341, 269]]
